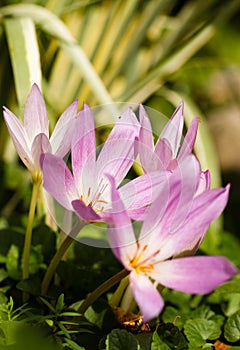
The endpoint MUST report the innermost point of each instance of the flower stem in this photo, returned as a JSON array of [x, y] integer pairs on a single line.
[[116, 298], [102, 289], [28, 236], [61, 251], [54, 263]]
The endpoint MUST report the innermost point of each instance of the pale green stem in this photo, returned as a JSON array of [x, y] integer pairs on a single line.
[[61, 251], [54, 263], [28, 236], [91, 298], [116, 298], [127, 299]]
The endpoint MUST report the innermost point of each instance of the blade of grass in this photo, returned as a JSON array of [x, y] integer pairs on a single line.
[[56, 28], [24, 53]]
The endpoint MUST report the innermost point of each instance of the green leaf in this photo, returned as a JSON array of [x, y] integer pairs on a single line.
[[158, 344], [232, 327], [12, 263], [24, 53], [120, 339], [60, 304], [36, 259], [72, 345], [171, 314], [202, 311], [3, 274], [199, 330], [172, 336]]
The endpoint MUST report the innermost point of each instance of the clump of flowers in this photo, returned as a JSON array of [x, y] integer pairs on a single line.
[[172, 198]]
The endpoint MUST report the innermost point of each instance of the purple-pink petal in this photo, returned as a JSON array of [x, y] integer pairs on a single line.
[[139, 193], [118, 152], [19, 138], [146, 295], [173, 130], [121, 236], [84, 147], [61, 137], [195, 275], [189, 140], [40, 145], [85, 212], [58, 180], [35, 114]]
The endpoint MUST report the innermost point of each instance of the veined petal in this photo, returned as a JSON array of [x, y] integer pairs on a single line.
[[189, 139], [19, 138], [61, 137], [84, 148], [85, 212], [145, 144], [118, 152], [146, 295], [195, 275], [204, 183], [173, 204], [58, 180], [173, 130], [35, 114], [121, 236], [40, 145], [164, 153], [205, 208], [139, 193]]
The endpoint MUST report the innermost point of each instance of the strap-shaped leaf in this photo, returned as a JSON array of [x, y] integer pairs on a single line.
[[24, 53]]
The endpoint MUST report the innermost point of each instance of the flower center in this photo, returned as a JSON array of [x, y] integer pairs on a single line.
[[94, 200], [142, 262]]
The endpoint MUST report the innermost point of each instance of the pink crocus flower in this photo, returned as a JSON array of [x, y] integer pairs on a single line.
[[86, 190], [32, 138], [166, 153], [175, 219]]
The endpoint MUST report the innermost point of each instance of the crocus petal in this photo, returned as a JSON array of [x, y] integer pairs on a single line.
[[121, 236], [84, 149], [40, 145], [205, 208], [35, 114], [173, 204], [146, 295], [61, 137], [85, 212], [58, 180], [145, 143], [204, 183], [139, 193], [19, 138], [118, 153], [189, 140], [164, 153], [173, 130], [195, 275]]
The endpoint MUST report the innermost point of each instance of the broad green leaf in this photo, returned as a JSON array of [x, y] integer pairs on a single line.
[[3, 274], [232, 328], [120, 339], [172, 336], [199, 330], [158, 344], [24, 53]]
